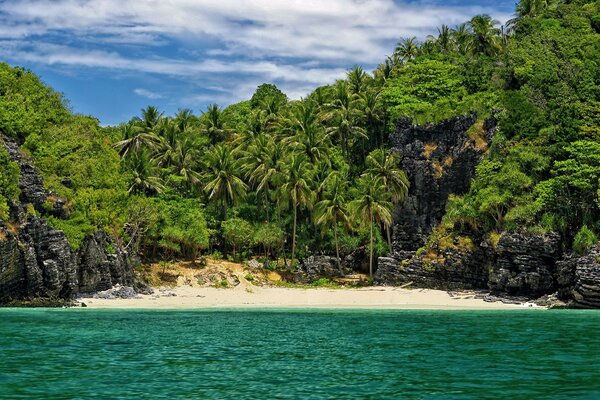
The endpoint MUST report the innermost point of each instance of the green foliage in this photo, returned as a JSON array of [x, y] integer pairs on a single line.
[[9, 181], [26, 105], [266, 93], [584, 240], [237, 233]]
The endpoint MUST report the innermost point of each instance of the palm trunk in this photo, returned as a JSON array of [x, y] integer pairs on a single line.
[[337, 245], [389, 237], [371, 250], [294, 233]]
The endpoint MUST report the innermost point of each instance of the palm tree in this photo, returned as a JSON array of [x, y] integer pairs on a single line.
[[214, 124], [184, 162], [139, 133], [384, 71], [308, 134], [460, 37], [443, 40], [527, 8], [383, 164], [151, 116], [485, 37], [407, 48], [144, 175], [343, 117], [357, 78], [333, 210], [296, 187], [261, 164], [373, 114], [223, 183], [372, 206]]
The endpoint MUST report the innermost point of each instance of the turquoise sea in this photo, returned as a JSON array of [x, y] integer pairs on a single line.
[[298, 354]]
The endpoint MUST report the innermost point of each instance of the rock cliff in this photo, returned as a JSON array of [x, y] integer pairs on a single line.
[[36, 260], [440, 160]]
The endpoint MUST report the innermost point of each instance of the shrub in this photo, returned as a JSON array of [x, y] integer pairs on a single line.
[[584, 240]]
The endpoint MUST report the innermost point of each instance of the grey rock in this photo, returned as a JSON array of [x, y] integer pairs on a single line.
[[579, 279], [254, 264], [37, 261], [315, 267]]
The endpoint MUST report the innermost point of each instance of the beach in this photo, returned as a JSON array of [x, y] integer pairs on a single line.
[[249, 296]]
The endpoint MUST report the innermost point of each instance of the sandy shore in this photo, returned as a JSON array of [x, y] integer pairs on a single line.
[[275, 297]]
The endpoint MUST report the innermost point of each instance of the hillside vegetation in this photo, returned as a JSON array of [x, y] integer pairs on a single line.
[[273, 178]]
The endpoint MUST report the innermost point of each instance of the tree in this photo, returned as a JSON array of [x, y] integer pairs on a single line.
[[372, 206], [296, 187], [135, 137], [223, 185], [307, 132], [407, 48], [383, 164], [357, 79], [270, 236], [144, 175], [333, 210], [268, 94], [213, 124], [238, 233], [343, 117], [485, 37], [261, 164]]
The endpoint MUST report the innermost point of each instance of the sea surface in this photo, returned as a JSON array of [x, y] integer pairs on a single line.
[[298, 354]]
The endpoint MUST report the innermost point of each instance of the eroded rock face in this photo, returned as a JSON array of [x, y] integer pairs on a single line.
[[579, 279], [36, 260], [525, 264], [315, 267], [439, 160], [39, 262], [452, 268]]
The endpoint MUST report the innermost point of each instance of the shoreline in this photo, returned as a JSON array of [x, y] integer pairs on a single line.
[[265, 297]]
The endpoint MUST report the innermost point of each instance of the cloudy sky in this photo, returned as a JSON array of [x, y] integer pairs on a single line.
[[113, 57]]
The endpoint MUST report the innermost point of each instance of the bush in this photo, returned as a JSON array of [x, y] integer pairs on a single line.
[[584, 240]]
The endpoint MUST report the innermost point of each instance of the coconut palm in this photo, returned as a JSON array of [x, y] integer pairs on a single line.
[[372, 206], [407, 48], [261, 164], [296, 187], [373, 114], [333, 210], [184, 162], [144, 175], [527, 8], [343, 117], [140, 133], [443, 41], [307, 134], [485, 37], [383, 164], [223, 185], [461, 38], [214, 124], [357, 79]]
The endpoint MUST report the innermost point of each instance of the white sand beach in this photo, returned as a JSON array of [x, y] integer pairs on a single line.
[[245, 296]]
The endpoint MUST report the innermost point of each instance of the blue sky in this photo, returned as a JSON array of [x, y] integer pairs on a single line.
[[112, 57]]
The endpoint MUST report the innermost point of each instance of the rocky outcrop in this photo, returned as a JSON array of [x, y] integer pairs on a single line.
[[315, 267], [451, 268], [439, 160], [525, 264], [579, 279], [37, 261]]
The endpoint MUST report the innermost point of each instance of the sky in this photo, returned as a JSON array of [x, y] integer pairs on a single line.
[[111, 58]]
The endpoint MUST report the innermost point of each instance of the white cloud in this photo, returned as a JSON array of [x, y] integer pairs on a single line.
[[147, 93], [298, 44]]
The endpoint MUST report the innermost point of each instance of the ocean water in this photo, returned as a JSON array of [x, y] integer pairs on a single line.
[[298, 354]]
